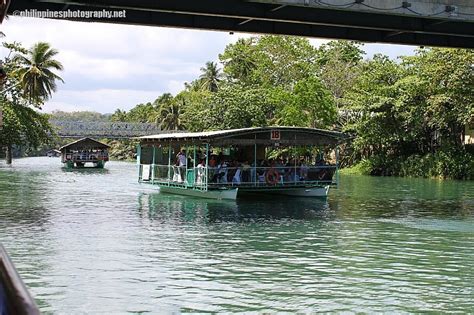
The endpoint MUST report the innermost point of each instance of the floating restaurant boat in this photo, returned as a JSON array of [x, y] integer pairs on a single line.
[[229, 163], [86, 150]]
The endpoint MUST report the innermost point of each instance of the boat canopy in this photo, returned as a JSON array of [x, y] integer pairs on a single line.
[[268, 136], [85, 144]]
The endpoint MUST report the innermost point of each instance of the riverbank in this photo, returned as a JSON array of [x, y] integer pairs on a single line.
[[440, 165]]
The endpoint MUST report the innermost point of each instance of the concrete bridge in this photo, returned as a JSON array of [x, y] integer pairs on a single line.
[[448, 23], [110, 130]]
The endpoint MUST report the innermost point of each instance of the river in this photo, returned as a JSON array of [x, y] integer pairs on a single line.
[[96, 241]]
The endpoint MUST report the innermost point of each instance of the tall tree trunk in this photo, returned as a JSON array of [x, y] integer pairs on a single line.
[[8, 154]]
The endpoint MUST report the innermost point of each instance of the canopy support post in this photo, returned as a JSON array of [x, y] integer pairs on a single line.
[[207, 166], [153, 166], [169, 164], [185, 177], [194, 164], [139, 157], [295, 159], [255, 161]]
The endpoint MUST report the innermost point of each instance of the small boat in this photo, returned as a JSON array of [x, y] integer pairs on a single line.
[[86, 150], [14, 297], [227, 164]]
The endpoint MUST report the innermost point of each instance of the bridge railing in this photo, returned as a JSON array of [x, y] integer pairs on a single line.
[[79, 129]]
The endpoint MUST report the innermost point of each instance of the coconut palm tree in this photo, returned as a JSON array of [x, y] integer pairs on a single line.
[[35, 72], [170, 115], [163, 100], [210, 77]]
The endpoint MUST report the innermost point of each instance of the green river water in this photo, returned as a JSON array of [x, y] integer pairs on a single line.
[[96, 241]]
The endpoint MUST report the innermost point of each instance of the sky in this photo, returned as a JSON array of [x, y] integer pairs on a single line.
[[111, 66]]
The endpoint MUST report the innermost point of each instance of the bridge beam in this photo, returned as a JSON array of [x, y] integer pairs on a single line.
[[289, 17]]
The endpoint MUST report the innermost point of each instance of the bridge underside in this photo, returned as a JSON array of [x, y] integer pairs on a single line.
[[289, 17]]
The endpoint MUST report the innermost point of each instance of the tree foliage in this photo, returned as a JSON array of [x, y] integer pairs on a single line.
[[29, 83], [415, 108], [404, 115], [35, 72], [211, 77]]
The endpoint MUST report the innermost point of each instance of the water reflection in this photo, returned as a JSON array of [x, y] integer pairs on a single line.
[[86, 170], [163, 207]]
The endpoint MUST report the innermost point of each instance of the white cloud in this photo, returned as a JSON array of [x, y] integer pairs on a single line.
[[175, 86], [109, 66], [100, 100]]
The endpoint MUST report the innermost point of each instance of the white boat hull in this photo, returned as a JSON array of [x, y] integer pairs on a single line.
[[297, 191], [219, 194]]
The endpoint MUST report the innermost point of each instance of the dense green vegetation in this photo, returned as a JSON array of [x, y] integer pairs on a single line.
[[30, 81], [406, 116], [409, 117]]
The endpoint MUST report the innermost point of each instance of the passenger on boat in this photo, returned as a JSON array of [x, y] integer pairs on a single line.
[[201, 171], [324, 173], [221, 174], [182, 162], [181, 158], [290, 171], [213, 161], [303, 170], [236, 179], [264, 166], [246, 172]]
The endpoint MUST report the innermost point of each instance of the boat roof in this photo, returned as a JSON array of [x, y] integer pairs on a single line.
[[255, 135], [85, 143]]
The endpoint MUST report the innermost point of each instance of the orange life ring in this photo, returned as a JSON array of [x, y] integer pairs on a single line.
[[272, 176]]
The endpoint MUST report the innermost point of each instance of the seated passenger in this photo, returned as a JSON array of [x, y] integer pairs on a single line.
[[213, 161], [303, 170], [221, 173], [245, 172], [236, 179]]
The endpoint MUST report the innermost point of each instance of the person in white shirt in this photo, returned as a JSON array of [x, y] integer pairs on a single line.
[[182, 161], [181, 157]]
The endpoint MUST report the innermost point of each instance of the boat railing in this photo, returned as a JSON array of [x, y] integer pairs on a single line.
[[272, 176], [203, 177], [87, 156], [14, 297]]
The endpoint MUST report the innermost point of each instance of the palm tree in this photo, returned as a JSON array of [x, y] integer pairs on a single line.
[[210, 77], [170, 115], [163, 100], [240, 61], [35, 73]]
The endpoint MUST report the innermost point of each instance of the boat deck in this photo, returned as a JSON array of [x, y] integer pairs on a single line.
[[205, 178]]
